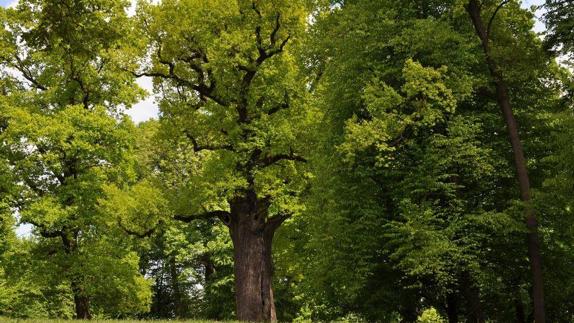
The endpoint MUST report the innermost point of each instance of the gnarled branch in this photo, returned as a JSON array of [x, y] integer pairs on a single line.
[[224, 216], [284, 105], [44, 232], [494, 16], [275, 222], [270, 160], [204, 90], [141, 235], [27, 74], [197, 147]]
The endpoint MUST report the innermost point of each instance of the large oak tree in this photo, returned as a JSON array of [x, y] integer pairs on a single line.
[[231, 95]]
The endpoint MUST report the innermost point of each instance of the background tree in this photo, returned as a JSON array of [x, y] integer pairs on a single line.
[[64, 143], [191, 263], [471, 222], [559, 20], [483, 31]]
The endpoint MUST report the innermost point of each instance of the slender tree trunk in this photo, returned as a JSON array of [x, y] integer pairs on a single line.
[[209, 268], [472, 296], [267, 282], [252, 241], [452, 308], [178, 307], [408, 314], [81, 302], [519, 311], [503, 100], [408, 308]]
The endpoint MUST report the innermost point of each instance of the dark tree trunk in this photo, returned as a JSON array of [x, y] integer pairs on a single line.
[[209, 268], [177, 295], [267, 282], [452, 308], [472, 297], [503, 100], [81, 302], [252, 237], [408, 305], [519, 310], [408, 314]]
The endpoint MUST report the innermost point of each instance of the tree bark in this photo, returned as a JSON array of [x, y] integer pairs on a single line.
[[252, 238], [409, 301], [177, 295], [452, 308], [519, 311], [472, 296], [503, 100], [81, 302]]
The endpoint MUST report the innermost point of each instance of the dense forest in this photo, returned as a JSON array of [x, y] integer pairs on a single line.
[[313, 160]]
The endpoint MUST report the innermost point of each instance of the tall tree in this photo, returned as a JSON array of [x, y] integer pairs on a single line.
[[484, 32], [63, 140], [231, 97], [415, 193]]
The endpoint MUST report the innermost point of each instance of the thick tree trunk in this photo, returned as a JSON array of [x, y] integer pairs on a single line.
[[81, 302], [503, 100], [252, 241]]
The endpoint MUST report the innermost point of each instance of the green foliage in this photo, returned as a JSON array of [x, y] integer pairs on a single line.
[[430, 315], [424, 102], [191, 264], [373, 124], [193, 269], [64, 146], [420, 148], [559, 20], [71, 52], [26, 292], [206, 131]]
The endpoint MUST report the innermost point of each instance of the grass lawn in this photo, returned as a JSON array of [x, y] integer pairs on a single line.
[[6, 320]]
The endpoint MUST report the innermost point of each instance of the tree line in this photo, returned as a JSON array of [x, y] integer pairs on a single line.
[[313, 160]]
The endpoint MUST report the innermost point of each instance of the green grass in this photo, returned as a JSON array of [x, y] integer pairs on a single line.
[[6, 320]]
